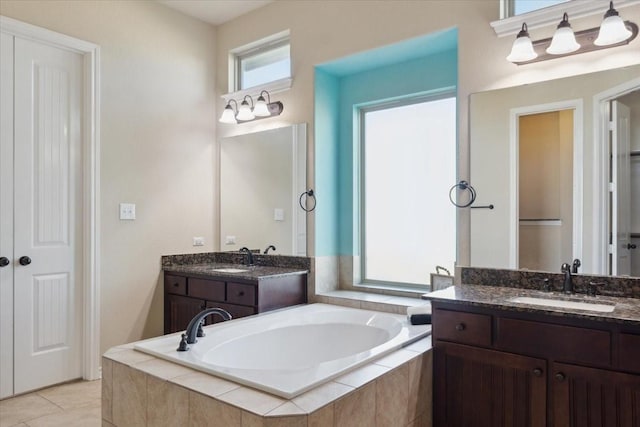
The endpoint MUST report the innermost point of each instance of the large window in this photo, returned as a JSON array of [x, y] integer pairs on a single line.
[[263, 64], [408, 164]]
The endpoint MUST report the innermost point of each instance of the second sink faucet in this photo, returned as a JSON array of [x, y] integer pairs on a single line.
[[249, 260], [567, 284]]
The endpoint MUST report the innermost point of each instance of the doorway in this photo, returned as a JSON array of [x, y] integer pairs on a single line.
[[48, 243], [546, 185], [617, 180]]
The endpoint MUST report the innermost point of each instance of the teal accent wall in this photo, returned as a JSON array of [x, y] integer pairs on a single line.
[[326, 120], [336, 139]]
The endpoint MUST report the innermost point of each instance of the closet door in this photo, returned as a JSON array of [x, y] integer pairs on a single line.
[[6, 215], [47, 215]]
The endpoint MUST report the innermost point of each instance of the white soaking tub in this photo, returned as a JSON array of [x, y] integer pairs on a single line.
[[290, 351]]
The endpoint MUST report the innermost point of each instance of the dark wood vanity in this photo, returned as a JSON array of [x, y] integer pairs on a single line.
[[504, 365], [185, 295]]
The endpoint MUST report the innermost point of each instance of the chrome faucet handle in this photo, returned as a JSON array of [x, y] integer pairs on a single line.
[[575, 265], [565, 267]]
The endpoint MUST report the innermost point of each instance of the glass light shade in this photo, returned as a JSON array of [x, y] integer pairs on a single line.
[[244, 112], [228, 116], [612, 31], [261, 109], [563, 42], [522, 50]]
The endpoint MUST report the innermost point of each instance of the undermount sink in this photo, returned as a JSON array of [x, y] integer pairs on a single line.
[[603, 308], [229, 270]]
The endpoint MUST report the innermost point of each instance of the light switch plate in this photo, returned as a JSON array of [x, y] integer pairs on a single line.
[[198, 241], [127, 211], [278, 214], [230, 240]]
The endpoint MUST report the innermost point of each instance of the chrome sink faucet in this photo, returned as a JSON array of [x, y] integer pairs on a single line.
[[249, 260], [576, 264], [195, 326], [567, 284]]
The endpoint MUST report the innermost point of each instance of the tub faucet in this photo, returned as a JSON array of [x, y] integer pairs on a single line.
[[266, 251], [189, 337], [249, 260], [567, 285]]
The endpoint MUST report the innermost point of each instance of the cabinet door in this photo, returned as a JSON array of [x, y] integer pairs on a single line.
[[594, 397], [179, 311], [478, 387]]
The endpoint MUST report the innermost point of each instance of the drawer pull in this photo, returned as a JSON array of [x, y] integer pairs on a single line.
[[241, 293], [460, 327], [537, 372], [175, 285], [560, 376]]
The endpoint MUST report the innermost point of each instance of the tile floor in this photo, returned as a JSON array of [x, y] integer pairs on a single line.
[[74, 404]]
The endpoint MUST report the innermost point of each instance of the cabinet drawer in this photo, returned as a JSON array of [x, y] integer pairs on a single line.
[[629, 346], [466, 328], [563, 343], [206, 289], [175, 284], [240, 293]]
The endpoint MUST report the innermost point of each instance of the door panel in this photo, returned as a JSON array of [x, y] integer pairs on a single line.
[[48, 96], [621, 197], [6, 214]]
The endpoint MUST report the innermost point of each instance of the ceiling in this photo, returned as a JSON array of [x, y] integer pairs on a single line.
[[215, 12]]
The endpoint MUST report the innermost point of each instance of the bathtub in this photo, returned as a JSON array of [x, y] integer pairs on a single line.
[[293, 350]]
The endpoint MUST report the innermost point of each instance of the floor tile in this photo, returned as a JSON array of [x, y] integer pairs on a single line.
[[24, 408], [88, 416], [73, 395]]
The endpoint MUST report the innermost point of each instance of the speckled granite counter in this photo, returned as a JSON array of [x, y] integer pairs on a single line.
[[627, 310], [253, 272]]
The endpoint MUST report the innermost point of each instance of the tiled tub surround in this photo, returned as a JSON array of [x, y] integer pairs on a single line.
[[290, 351], [141, 390]]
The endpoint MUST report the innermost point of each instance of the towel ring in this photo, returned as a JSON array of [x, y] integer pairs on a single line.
[[308, 193], [463, 185]]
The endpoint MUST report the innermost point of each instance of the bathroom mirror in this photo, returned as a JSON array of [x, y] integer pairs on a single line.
[[596, 215], [262, 176]]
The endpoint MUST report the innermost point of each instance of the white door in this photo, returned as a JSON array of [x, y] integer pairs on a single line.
[[46, 255], [621, 195]]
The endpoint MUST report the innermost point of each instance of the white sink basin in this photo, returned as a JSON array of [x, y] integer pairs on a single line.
[[229, 270], [603, 308]]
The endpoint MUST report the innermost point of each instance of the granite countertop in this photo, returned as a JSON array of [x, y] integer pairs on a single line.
[[627, 310], [252, 272]]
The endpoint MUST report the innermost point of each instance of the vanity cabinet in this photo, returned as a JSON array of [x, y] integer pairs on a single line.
[[186, 295], [496, 367]]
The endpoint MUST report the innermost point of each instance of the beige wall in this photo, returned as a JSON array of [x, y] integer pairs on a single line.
[[160, 86], [157, 143], [322, 31]]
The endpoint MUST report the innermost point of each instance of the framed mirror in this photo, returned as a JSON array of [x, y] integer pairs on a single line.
[[578, 200], [262, 176]]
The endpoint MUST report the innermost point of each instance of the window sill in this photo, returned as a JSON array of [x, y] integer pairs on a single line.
[[273, 88], [553, 14], [370, 301]]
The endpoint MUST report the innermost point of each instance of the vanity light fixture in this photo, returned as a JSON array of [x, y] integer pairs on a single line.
[[522, 49], [612, 32], [563, 41], [229, 115], [612, 29], [246, 113]]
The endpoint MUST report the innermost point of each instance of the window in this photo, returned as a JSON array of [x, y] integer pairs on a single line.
[[519, 7], [267, 62], [408, 164]]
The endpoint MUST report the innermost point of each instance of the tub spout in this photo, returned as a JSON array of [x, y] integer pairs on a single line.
[[194, 325]]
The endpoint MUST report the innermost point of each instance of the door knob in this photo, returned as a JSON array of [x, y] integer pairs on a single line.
[[24, 260], [4, 261], [631, 246]]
